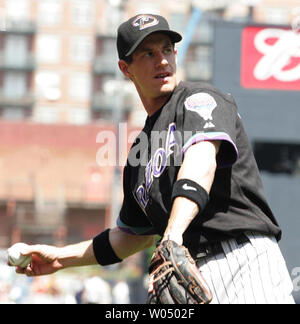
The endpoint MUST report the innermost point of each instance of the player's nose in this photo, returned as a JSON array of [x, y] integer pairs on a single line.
[[161, 59]]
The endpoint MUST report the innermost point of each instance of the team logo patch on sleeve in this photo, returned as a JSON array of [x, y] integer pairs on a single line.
[[203, 104]]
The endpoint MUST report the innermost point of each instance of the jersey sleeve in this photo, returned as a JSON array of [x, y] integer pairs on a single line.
[[209, 116], [132, 219]]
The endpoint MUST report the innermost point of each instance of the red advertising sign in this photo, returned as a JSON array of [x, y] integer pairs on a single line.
[[270, 59]]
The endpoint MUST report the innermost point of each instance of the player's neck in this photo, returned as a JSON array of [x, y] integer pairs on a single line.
[[152, 105]]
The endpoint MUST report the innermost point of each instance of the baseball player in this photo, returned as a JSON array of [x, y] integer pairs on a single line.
[[191, 178]]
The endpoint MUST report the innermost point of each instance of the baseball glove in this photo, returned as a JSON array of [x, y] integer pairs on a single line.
[[175, 278]]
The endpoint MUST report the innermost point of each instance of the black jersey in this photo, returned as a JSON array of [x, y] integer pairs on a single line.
[[195, 112]]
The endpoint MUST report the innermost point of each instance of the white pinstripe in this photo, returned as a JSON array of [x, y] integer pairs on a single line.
[[252, 273]]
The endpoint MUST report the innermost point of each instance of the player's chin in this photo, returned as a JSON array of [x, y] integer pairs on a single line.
[[163, 88], [167, 88]]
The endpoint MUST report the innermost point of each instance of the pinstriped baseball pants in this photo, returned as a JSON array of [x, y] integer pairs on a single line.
[[250, 273]]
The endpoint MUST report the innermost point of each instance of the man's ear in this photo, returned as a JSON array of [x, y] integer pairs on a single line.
[[124, 67], [176, 55]]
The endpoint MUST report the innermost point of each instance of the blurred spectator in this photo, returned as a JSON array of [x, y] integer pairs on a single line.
[[120, 293], [96, 291]]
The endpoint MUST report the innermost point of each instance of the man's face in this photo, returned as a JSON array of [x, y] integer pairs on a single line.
[[153, 69]]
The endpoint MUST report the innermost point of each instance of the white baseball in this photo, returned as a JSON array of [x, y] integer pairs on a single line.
[[15, 257]]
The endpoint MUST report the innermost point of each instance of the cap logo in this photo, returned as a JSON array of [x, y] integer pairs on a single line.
[[145, 21]]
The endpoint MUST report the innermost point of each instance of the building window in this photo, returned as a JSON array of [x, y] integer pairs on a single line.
[[199, 63], [278, 158], [17, 9], [178, 22], [109, 20], [13, 113], [109, 47], [82, 12], [48, 85], [16, 52], [106, 60], [49, 12], [15, 85], [204, 32], [48, 48], [79, 116], [81, 49], [277, 15], [80, 86], [146, 7], [46, 115]]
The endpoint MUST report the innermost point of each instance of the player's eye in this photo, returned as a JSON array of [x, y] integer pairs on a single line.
[[168, 50], [149, 54]]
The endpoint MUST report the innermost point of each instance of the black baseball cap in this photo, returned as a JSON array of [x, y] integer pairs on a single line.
[[132, 32]]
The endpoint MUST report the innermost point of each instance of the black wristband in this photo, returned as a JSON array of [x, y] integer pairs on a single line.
[[103, 251], [191, 190]]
